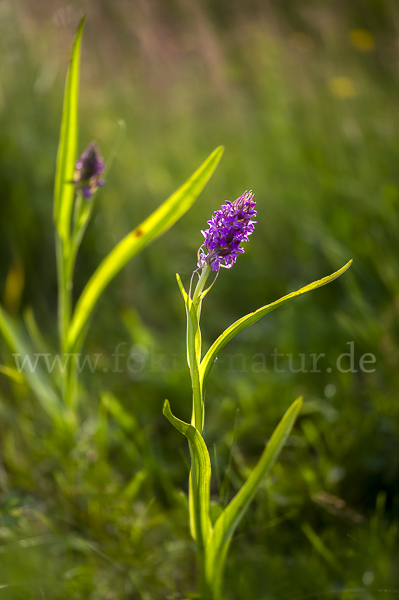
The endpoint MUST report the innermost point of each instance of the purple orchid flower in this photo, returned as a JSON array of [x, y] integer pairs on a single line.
[[228, 227]]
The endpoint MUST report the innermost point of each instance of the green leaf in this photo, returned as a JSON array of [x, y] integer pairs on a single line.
[[33, 374], [200, 474], [181, 288], [64, 190], [209, 358], [154, 226], [233, 513]]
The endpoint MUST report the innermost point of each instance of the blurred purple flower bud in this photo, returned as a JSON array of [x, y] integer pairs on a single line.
[[228, 227], [88, 170]]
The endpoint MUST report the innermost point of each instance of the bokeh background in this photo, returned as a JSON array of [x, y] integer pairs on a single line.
[[304, 97]]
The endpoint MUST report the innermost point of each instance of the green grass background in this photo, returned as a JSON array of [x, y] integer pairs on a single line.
[[308, 116]]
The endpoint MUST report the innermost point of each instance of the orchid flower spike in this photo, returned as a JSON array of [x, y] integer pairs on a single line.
[[228, 227]]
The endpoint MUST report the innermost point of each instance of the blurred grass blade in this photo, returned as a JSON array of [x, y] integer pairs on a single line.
[[12, 373], [200, 472], [133, 488], [209, 358], [233, 513], [68, 145], [33, 374], [155, 225], [318, 544], [14, 287], [8, 331], [33, 330]]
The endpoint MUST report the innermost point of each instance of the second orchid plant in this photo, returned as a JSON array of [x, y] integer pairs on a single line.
[[76, 183], [228, 228]]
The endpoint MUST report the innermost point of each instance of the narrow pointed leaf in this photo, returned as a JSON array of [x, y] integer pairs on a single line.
[[181, 288], [200, 470], [67, 149], [209, 358], [154, 226], [233, 513]]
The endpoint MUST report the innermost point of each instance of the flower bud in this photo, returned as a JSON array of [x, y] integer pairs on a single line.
[[88, 170]]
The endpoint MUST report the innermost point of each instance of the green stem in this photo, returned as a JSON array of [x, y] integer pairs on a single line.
[[200, 285], [197, 420], [66, 257], [64, 313], [214, 569], [194, 349], [64, 293]]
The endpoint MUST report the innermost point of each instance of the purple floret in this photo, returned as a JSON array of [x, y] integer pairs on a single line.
[[88, 170], [228, 227]]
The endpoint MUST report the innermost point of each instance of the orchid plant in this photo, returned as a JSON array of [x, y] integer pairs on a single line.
[[228, 229]]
